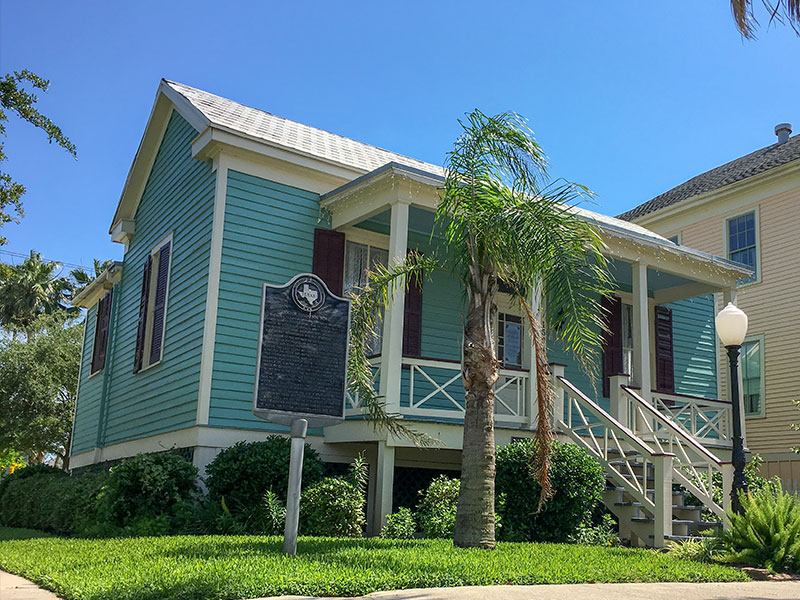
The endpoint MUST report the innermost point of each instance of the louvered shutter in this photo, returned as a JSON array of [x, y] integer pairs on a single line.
[[412, 319], [159, 303], [612, 341], [328, 261], [141, 330], [101, 333], [665, 366]]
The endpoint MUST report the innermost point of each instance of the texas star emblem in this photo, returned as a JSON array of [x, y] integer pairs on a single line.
[[307, 294]]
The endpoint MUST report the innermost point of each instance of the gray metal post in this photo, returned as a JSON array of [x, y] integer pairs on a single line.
[[298, 433]]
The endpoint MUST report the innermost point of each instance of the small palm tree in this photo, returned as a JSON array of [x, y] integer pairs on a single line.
[[32, 288], [778, 10], [499, 219]]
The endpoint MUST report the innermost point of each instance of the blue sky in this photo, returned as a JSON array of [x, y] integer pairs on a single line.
[[628, 97]]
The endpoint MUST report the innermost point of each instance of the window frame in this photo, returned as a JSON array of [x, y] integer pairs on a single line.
[[762, 413], [155, 254], [675, 237], [96, 323], [727, 239]]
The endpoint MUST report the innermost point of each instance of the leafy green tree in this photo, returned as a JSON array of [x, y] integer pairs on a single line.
[[38, 387], [779, 11], [500, 218], [32, 288], [16, 99]]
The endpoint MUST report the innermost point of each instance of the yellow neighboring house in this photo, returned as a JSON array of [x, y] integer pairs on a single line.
[[748, 210]]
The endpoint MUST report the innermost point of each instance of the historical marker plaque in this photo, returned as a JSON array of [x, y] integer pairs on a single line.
[[302, 359]]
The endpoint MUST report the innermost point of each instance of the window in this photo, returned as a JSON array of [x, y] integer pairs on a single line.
[[358, 258], [742, 243], [627, 339], [152, 307], [752, 361], [102, 318], [509, 340], [675, 239]]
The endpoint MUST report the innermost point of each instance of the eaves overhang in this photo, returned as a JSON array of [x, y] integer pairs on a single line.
[[93, 292]]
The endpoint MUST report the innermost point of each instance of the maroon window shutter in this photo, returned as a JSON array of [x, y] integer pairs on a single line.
[[665, 366], [140, 332], [101, 333], [159, 303], [612, 341], [328, 262], [412, 318]]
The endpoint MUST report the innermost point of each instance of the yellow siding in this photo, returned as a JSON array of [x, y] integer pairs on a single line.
[[773, 307]]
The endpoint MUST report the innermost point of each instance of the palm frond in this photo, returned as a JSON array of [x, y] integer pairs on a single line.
[[366, 311]]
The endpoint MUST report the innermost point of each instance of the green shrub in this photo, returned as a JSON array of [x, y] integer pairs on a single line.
[[767, 532], [436, 511], [53, 502], [151, 487], [706, 549], [601, 534], [399, 525], [29, 471], [334, 507], [243, 473], [577, 481]]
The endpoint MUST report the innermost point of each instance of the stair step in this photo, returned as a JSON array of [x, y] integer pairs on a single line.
[[688, 522], [680, 538], [674, 506]]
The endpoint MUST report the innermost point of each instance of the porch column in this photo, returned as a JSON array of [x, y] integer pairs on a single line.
[[384, 487], [392, 344], [730, 295], [641, 331]]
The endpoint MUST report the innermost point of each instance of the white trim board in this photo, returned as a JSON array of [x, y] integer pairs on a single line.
[[212, 292]]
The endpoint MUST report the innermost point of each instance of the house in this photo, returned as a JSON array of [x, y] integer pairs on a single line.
[[748, 210], [222, 198]]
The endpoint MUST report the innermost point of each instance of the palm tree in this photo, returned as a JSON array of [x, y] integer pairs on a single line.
[[82, 277], [778, 10], [499, 219], [30, 289]]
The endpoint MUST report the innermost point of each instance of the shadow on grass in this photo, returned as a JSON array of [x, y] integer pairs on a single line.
[[18, 533]]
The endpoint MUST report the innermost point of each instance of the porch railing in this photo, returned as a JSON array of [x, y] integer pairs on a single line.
[[695, 467], [703, 418], [433, 389]]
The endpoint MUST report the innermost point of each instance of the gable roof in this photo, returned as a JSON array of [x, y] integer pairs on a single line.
[[732, 172], [260, 125]]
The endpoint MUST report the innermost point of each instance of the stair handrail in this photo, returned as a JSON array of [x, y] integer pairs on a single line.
[[618, 432], [685, 462], [598, 412]]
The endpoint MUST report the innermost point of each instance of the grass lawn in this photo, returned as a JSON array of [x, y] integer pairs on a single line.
[[199, 567]]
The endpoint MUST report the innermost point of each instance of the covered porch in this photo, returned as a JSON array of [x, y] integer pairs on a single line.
[[417, 369]]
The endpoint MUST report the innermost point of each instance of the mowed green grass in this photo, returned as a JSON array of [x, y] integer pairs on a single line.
[[229, 567]]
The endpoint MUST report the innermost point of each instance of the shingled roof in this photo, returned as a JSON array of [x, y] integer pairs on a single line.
[[261, 125], [736, 170]]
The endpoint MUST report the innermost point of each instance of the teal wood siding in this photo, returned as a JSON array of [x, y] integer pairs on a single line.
[[90, 390], [694, 347], [178, 198], [268, 238]]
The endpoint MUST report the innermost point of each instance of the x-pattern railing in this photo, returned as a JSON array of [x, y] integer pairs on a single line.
[[694, 466], [435, 389], [353, 401], [703, 419]]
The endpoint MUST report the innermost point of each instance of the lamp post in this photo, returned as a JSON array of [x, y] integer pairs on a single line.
[[731, 324]]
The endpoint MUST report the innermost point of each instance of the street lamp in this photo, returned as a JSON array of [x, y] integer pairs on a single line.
[[731, 325]]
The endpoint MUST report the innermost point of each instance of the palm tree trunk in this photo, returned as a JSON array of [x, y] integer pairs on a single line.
[[475, 515]]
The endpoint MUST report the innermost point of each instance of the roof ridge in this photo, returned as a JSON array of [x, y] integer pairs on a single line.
[[731, 172], [178, 86]]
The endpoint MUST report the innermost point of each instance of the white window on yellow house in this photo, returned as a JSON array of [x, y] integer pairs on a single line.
[[752, 363]]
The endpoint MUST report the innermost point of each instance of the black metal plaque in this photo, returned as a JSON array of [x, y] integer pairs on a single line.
[[302, 360]]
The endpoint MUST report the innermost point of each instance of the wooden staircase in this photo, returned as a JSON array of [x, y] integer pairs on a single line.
[[650, 462]]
